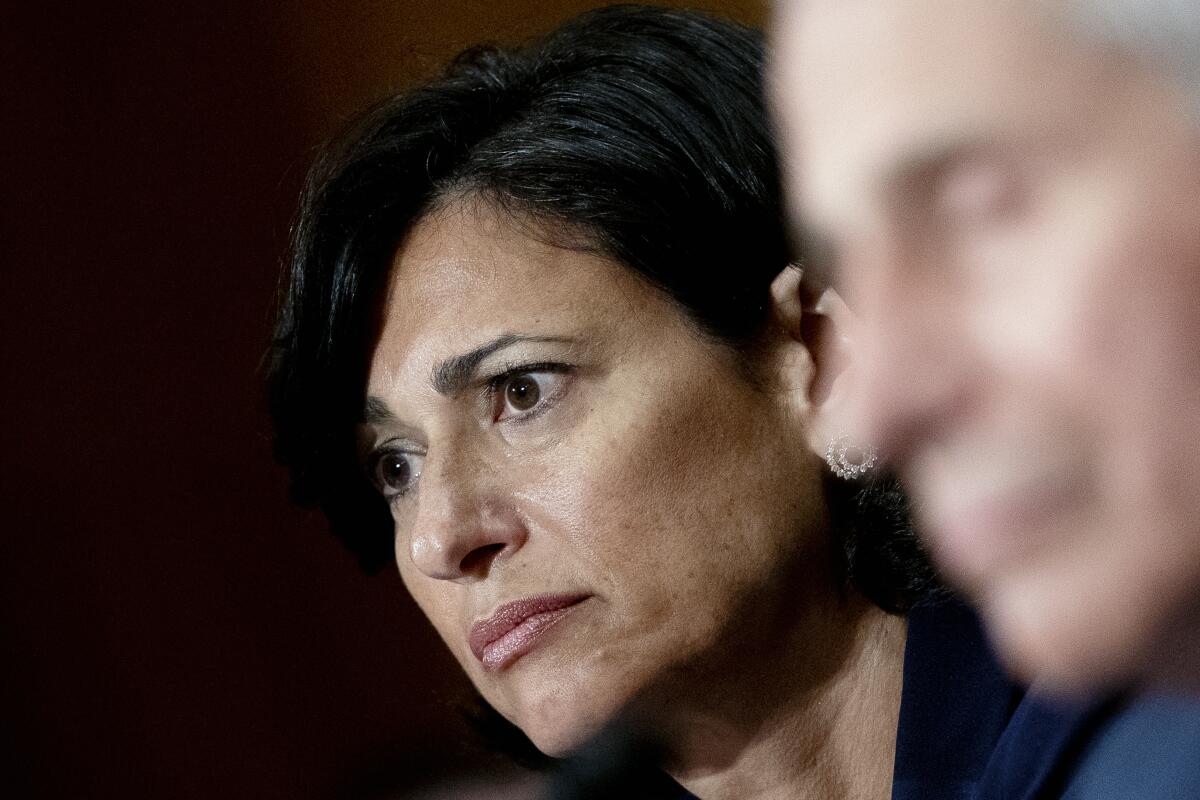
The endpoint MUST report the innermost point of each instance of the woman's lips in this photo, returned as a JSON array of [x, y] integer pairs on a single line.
[[516, 627]]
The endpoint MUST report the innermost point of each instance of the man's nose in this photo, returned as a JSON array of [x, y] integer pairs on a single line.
[[912, 360], [465, 521]]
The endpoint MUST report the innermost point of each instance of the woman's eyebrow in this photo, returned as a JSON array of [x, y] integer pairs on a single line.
[[455, 373], [376, 411]]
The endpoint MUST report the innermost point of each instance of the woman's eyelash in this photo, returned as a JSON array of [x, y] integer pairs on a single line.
[[511, 371], [495, 390], [372, 464]]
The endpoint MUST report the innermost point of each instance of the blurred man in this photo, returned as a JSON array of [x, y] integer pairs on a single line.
[[1009, 197]]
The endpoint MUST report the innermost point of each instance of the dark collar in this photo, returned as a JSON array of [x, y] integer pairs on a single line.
[[955, 705]]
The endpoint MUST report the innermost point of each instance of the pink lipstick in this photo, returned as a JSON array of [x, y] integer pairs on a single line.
[[516, 627]]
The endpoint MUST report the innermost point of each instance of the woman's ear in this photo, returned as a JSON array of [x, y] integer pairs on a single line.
[[816, 369]]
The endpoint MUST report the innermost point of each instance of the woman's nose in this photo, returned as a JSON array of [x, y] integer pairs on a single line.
[[462, 526]]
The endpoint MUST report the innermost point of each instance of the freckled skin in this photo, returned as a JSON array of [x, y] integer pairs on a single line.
[[660, 482], [1028, 347]]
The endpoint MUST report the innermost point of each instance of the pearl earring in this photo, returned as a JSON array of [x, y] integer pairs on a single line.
[[848, 460]]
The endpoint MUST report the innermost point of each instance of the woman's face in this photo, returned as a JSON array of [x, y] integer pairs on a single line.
[[590, 501]]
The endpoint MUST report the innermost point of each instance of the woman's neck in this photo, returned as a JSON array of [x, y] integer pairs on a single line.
[[815, 719]]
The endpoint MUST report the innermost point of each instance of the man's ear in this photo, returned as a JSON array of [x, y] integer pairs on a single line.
[[815, 369]]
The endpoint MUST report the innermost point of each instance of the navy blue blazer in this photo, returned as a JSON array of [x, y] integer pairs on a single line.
[[955, 707], [1120, 748], [966, 731]]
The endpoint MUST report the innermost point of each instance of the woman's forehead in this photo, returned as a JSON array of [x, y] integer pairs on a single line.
[[469, 273], [471, 255]]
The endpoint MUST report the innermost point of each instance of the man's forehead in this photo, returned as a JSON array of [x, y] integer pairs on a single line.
[[877, 86]]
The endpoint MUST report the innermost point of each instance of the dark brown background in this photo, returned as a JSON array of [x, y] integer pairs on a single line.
[[171, 627]]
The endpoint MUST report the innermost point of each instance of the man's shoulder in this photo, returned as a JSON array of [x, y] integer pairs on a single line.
[[1115, 748], [1150, 749]]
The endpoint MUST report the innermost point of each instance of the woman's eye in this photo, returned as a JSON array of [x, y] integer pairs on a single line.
[[521, 394], [395, 472]]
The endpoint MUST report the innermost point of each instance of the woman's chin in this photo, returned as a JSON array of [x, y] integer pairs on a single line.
[[558, 729], [559, 740], [557, 745]]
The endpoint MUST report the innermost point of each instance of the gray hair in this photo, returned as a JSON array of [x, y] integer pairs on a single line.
[[1163, 34]]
